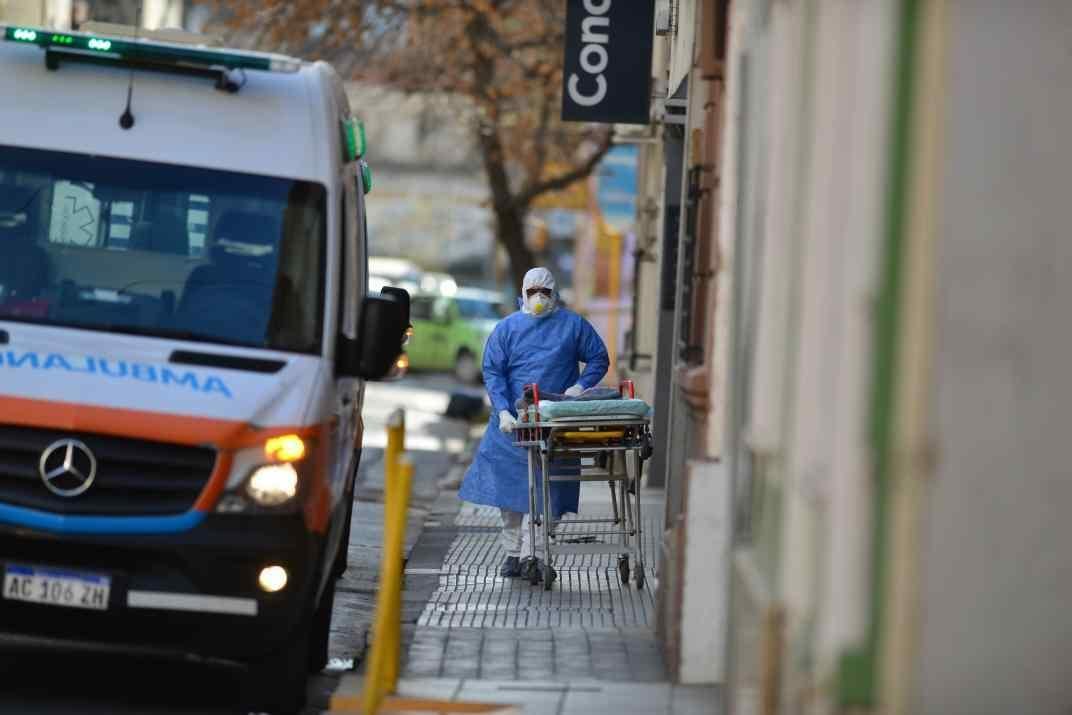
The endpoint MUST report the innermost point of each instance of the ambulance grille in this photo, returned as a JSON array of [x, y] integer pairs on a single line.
[[134, 477]]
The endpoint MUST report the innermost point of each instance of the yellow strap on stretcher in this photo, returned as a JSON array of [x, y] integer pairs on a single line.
[[592, 436]]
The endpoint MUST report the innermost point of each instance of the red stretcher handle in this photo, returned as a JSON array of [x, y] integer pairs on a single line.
[[535, 397]]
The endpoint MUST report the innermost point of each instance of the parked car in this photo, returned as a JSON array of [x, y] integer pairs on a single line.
[[442, 283], [395, 272], [449, 331]]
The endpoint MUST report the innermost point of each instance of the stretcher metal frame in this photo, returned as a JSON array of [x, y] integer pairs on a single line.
[[608, 439]]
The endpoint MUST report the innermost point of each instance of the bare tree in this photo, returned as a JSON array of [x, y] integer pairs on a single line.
[[503, 57]]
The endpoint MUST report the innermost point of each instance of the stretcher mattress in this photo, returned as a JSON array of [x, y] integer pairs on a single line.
[[629, 409]]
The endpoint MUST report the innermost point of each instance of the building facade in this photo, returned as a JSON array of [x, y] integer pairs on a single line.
[[858, 366]]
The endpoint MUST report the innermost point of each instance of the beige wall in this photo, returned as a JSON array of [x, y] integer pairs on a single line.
[[996, 631], [44, 13], [808, 227], [650, 182]]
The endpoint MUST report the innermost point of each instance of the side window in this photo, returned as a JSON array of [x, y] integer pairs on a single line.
[[197, 213], [162, 224], [172, 223], [120, 225], [342, 273], [353, 282]]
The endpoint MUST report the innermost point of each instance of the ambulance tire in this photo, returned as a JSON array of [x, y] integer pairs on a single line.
[[339, 567], [277, 684], [343, 554], [320, 629]]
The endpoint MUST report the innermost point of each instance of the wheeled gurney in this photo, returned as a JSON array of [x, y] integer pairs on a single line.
[[611, 439]]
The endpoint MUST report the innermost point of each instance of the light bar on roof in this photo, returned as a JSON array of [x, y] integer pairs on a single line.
[[149, 51]]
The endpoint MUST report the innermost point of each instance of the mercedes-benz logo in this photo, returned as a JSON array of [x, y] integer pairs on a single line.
[[67, 467]]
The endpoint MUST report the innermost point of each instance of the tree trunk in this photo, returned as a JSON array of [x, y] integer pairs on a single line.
[[510, 232], [509, 217]]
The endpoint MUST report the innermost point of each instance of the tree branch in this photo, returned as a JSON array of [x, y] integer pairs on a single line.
[[556, 183]]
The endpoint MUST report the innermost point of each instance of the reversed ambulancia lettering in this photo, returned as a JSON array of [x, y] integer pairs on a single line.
[[215, 384], [54, 361], [186, 379], [26, 359], [146, 373], [116, 369]]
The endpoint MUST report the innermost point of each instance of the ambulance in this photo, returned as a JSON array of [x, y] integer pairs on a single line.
[[185, 335]]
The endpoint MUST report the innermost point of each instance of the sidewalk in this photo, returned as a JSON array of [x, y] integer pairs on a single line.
[[587, 646]]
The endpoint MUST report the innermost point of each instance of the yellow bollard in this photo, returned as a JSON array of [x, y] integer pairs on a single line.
[[396, 445], [383, 661], [381, 675], [392, 658]]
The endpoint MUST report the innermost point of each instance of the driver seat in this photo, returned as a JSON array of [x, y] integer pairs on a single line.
[[232, 295], [24, 268]]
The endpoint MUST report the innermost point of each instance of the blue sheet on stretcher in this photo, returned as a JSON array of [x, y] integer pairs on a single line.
[[611, 409]]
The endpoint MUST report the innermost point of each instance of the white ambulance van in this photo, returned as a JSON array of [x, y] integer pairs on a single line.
[[184, 338]]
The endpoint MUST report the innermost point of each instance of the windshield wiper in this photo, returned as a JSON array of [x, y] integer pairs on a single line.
[[232, 362]]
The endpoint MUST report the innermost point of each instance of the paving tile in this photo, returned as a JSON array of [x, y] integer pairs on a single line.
[[621, 699], [586, 644], [532, 702], [508, 685], [696, 700], [434, 688]]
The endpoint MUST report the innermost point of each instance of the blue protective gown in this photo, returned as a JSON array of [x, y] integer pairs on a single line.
[[524, 349]]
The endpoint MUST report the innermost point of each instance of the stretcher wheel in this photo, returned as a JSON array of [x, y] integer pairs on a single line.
[[548, 577], [640, 579], [623, 569]]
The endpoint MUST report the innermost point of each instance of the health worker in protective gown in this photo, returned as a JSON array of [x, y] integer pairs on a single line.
[[543, 345]]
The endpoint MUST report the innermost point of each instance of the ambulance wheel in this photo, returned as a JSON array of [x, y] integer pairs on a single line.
[[623, 569], [321, 629], [339, 567], [277, 684], [548, 577]]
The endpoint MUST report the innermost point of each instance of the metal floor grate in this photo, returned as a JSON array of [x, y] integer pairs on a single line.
[[587, 594], [536, 654]]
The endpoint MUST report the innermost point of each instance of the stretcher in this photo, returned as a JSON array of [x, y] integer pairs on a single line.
[[611, 439]]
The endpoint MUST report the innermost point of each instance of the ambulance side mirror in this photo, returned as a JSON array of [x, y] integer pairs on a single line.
[[379, 341], [402, 296]]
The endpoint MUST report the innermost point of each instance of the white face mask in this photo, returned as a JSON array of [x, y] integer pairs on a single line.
[[540, 305]]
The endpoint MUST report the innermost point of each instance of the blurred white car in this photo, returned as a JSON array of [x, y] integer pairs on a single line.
[[394, 271]]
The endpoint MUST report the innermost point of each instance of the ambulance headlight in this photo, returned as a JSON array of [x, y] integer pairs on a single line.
[[273, 484]]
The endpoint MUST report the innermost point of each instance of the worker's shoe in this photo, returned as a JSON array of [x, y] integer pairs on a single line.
[[511, 568], [529, 568]]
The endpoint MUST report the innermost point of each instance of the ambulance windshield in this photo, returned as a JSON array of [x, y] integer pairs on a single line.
[[164, 250]]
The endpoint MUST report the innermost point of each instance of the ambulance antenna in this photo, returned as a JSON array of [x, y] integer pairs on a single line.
[[126, 120]]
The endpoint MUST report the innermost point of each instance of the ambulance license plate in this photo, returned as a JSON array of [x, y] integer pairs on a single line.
[[56, 587]]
